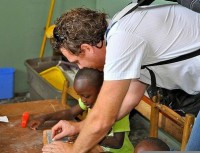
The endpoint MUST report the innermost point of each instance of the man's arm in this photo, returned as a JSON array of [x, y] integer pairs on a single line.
[[134, 95], [104, 113]]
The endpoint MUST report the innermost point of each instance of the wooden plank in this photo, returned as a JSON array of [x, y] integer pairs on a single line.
[[33, 107], [165, 123], [47, 139], [189, 121], [14, 138], [72, 93], [154, 118]]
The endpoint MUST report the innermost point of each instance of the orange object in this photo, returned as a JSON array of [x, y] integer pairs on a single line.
[[25, 117]]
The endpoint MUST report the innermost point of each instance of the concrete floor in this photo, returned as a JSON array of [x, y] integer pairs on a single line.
[[139, 127]]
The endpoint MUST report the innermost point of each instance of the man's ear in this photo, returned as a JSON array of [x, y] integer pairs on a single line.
[[86, 48]]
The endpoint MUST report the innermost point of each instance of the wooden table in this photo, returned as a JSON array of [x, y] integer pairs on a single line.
[[14, 138]]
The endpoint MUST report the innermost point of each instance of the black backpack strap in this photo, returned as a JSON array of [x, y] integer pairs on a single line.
[[153, 82], [135, 7], [174, 60], [146, 2], [177, 59]]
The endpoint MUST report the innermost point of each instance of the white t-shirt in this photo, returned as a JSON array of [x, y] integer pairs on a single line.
[[152, 34]]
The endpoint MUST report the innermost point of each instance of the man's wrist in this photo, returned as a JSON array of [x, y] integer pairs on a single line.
[[80, 125]]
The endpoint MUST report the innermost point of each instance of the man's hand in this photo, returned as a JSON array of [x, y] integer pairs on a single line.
[[61, 147], [57, 147], [65, 128]]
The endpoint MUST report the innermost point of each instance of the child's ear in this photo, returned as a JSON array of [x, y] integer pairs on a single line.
[[86, 48]]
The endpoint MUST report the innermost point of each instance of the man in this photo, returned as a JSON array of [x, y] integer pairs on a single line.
[[145, 36]]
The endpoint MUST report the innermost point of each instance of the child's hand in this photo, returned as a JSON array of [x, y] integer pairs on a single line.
[[35, 123]]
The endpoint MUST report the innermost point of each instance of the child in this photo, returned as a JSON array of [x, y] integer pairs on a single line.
[[151, 144], [87, 84]]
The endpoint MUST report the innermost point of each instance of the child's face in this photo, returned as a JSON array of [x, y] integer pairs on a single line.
[[87, 93]]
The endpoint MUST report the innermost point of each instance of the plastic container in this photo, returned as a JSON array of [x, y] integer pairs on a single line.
[[39, 88], [7, 83], [54, 76]]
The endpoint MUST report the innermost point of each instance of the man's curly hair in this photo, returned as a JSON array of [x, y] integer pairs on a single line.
[[79, 26]]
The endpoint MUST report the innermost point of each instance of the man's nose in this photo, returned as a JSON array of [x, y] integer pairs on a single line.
[[71, 60]]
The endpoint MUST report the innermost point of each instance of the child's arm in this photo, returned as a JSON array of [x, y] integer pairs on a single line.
[[116, 141], [68, 114]]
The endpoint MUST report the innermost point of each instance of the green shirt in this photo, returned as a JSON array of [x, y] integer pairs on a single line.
[[122, 125]]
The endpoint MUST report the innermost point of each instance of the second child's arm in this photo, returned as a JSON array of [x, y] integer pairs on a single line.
[[116, 141]]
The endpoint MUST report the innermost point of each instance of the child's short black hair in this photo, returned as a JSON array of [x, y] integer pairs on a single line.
[[95, 77]]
